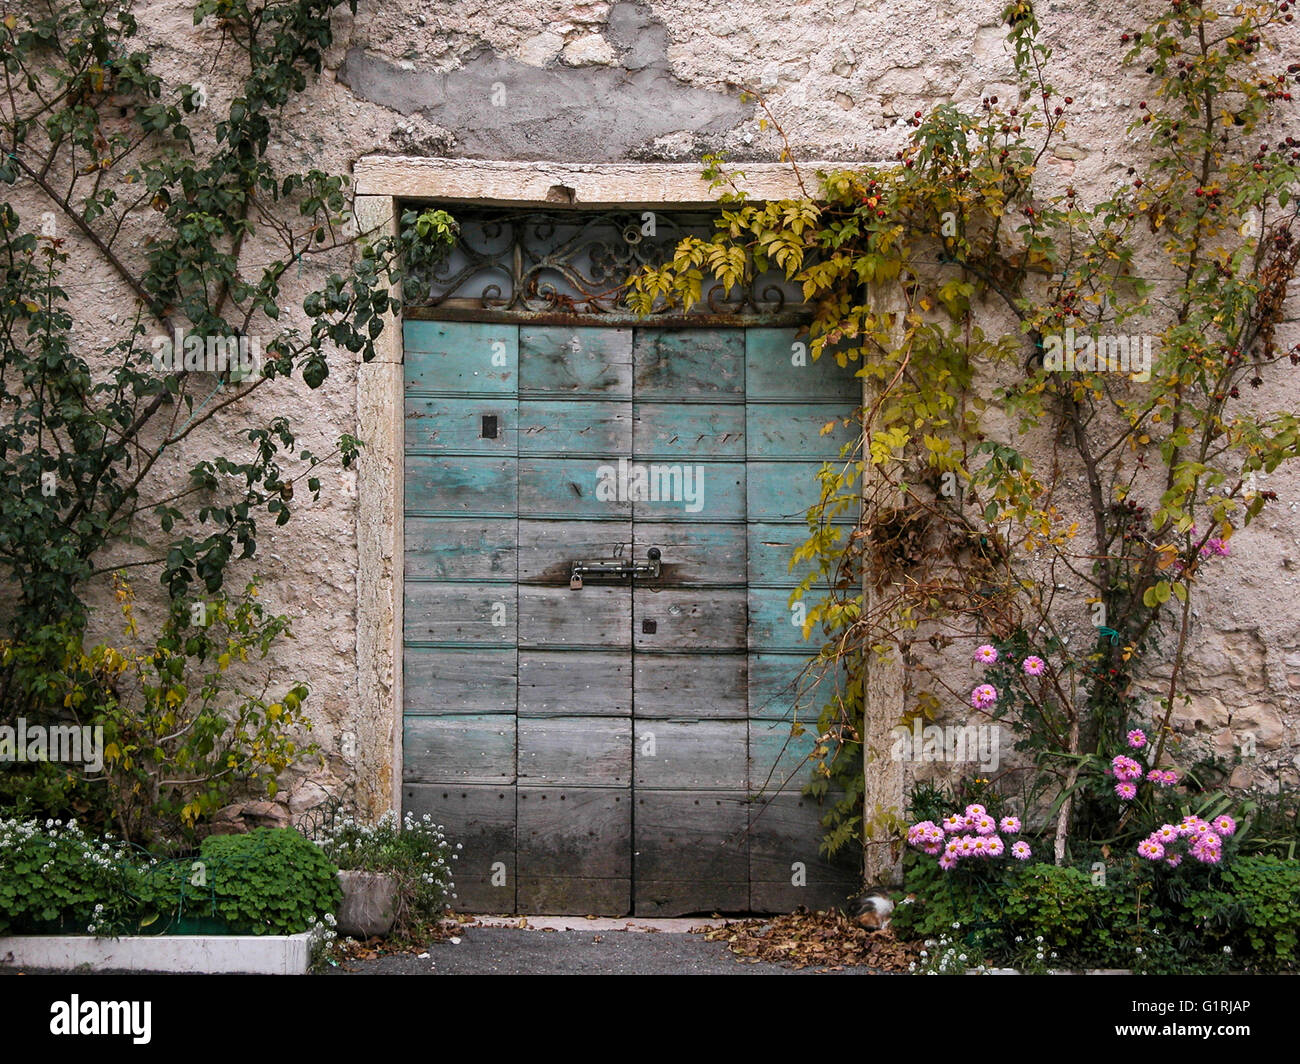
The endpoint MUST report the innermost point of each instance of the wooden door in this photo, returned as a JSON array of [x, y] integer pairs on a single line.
[[612, 749]]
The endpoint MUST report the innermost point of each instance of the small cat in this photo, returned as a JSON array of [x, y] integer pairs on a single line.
[[872, 908]]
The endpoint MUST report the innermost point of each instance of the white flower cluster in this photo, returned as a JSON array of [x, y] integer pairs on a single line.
[[949, 957], [81, 851], [347, 835], [323, 937], [15, 834]]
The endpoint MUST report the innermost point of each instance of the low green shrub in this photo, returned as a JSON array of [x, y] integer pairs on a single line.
[[415, 853], [269, 881], [1194, 919], [1253, 906], [56, 878]]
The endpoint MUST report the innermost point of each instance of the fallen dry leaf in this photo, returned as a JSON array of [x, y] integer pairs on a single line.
[[828, 940]]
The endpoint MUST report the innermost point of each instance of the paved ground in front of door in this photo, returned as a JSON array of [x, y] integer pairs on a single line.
[[569, 946]]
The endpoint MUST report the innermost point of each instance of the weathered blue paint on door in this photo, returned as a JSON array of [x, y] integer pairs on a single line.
[[616, 748]]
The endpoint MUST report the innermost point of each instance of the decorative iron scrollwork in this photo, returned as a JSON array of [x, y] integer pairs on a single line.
[[532, 262]]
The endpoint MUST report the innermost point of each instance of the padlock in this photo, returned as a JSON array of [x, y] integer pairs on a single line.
[[575, 582]]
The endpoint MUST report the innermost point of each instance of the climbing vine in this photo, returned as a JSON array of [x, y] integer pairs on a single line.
[[170, 193], [1136, 345]]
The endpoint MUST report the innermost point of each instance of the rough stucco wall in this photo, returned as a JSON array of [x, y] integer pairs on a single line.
[[589, 82]]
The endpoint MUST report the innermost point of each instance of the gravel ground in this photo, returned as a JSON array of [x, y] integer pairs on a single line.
[[513, 951]]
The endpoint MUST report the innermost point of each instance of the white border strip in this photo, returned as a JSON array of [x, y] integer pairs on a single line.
[[211, 954]]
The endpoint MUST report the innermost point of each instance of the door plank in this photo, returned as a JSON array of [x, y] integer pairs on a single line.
[[456, 426], [559, 427], [575, 683], [694, 554], [772, 370], [575, 850], [459, 748], [780, 683], [785, 847], [460, 485], [687, 431], [563, 360], [548, 548], [776, 625], [692, 853], [483, 614], [553, 617], [685, 490], [458, 548], [688, 619], [690, 755], [784, 491], [575, 751], [482, 821], [700, 686], [467, 681], [771, 546], [778, 759], [467, 358], [689, 364], [794, 430], [575, 486]]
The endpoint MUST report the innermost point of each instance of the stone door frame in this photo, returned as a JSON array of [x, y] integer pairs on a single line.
[[374, 736]]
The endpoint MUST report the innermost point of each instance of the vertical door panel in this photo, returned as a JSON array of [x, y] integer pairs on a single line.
[[689, 626], [575, 696], [790, 400], [461, 618]]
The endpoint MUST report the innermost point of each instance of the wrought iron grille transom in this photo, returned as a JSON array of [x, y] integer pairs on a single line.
[[574, 266]]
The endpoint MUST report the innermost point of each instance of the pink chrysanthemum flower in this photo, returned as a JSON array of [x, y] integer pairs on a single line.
[[954, 823], [967, 845], [987, 654], [974, 811], [981, 847], [1150, 849], [1034, 666], [1165, 833], [1224, 825], [1125, 768], [1010, 825], [1187, 826], [985, 825], [996, 846], [1020, 851], [933, 848], [918, 834], [1174, 860], [984, 696], [1126, 791], [1171, 777], [1156, 776], [947, 861], [1207, 851], [1137, 738]]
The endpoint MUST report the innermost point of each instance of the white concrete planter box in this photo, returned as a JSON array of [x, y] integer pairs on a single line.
[[213, 954]]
